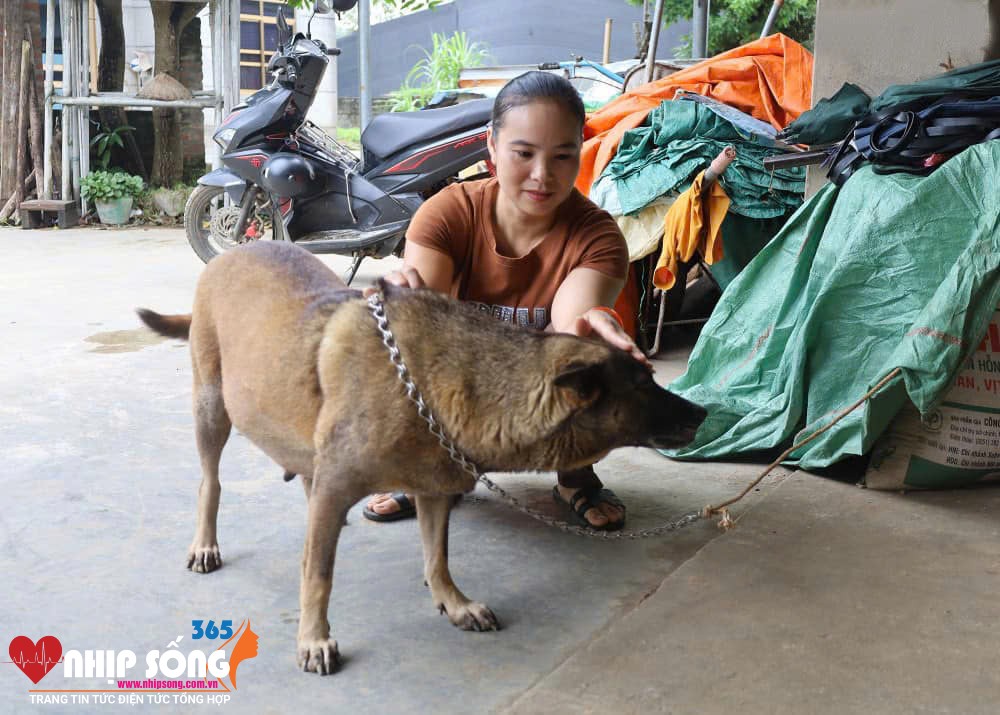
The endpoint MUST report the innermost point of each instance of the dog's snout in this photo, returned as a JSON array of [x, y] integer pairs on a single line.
[[678, 424]]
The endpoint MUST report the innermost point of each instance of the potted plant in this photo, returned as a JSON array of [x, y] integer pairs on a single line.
[[112, 193]]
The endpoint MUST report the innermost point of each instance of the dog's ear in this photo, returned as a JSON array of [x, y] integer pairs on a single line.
[[389, 290], [581, 383]]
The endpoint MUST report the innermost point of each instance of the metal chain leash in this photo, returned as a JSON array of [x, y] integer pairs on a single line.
[[377, 308]]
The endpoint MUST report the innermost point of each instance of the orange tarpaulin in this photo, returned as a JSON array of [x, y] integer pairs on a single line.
[[770, 79]]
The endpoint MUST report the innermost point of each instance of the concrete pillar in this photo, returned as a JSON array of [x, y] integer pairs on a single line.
[[324, 109]]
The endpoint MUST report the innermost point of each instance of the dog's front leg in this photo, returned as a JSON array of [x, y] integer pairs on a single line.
[[328, 505], [433, 513]]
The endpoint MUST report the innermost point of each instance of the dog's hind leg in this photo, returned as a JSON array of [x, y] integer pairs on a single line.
[[212, 428], [433, 513]]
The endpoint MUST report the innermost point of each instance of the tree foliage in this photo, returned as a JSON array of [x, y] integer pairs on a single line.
[[401, 6], [735, 22]]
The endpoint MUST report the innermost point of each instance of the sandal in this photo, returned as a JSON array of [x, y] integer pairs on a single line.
[[407, 509], [589, 498]]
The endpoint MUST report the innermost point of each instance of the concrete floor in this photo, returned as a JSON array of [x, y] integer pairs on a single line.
[[826, 599]]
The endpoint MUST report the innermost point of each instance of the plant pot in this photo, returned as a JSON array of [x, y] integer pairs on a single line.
[[114, 212], [170, 201]]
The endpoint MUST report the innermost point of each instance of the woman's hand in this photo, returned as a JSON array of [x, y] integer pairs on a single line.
[[406, 277], [600, 323]]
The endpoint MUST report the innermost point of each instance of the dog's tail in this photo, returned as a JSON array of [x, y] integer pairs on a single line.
[[170, 326]]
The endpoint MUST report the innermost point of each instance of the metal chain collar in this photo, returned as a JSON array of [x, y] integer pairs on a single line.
[[377, 308]]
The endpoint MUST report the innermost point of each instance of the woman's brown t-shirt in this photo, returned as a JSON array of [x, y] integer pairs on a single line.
[[459, 222]]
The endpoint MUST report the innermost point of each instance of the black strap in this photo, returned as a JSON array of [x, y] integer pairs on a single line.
[[903, 137]]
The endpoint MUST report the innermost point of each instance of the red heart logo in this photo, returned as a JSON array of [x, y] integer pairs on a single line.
[[35, 659]]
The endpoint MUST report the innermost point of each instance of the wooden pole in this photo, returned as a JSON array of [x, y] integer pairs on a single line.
[[35, 128], [21, 138], [11, 29], [12, 203], [606, 57]]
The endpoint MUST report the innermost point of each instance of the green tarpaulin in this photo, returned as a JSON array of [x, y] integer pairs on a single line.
[[831, 119], [679, 139], [885, 272]]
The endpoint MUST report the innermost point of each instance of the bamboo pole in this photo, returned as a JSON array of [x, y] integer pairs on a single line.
[[654, 40], [606, 55], [50, 48], [65, 115], [83, 88], [92, 43], [115, 99]]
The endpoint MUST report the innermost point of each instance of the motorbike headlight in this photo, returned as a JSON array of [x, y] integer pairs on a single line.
[[223, 137]]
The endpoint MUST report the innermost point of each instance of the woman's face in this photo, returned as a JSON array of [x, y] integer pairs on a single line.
[[537, 156]]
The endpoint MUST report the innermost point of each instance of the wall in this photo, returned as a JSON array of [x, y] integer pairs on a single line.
[[878, 43], [137, 19], [349, 110], [516, 31]]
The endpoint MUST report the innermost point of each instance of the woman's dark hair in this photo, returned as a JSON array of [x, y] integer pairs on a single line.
[[535, 85]]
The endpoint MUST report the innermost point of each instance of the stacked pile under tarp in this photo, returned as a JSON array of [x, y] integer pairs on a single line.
[[646, 146], [770, 79], [660, 159], [889, 270]]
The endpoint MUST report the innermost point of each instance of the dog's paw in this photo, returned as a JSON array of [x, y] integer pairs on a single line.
[[318, 656], [204, 559], [472, 616]]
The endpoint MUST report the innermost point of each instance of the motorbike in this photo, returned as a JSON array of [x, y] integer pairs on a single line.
[[283, 178]]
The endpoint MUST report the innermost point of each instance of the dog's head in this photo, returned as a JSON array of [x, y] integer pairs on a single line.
[[605, 399]]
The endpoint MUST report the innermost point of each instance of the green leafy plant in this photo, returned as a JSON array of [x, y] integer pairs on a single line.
[[410, 99], [105, 140], [110, 185], [438, 69], [736, 22], [349, 134]]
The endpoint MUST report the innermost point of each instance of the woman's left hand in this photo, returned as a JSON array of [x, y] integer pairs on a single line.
[[603, 325]]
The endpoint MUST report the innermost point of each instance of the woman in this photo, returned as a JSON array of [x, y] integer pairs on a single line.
[[527, 247]]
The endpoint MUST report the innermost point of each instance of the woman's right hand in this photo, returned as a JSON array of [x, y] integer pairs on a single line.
[[406, 277]]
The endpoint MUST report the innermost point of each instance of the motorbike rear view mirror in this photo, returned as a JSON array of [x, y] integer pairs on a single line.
[[338, 6], [284, 32]]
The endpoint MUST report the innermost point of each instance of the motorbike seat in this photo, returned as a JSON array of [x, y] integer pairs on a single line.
[[386, 134]]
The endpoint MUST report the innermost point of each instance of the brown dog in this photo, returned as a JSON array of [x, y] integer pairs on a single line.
[[283, 350]]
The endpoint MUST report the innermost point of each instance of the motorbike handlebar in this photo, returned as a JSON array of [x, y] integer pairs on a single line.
[[548, 66], [333, 51], [283, 63]]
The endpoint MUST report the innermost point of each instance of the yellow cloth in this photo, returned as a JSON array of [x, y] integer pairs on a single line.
[[693, 223]]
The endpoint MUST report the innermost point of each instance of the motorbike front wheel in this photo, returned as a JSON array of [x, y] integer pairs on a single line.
[[210, 224]]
